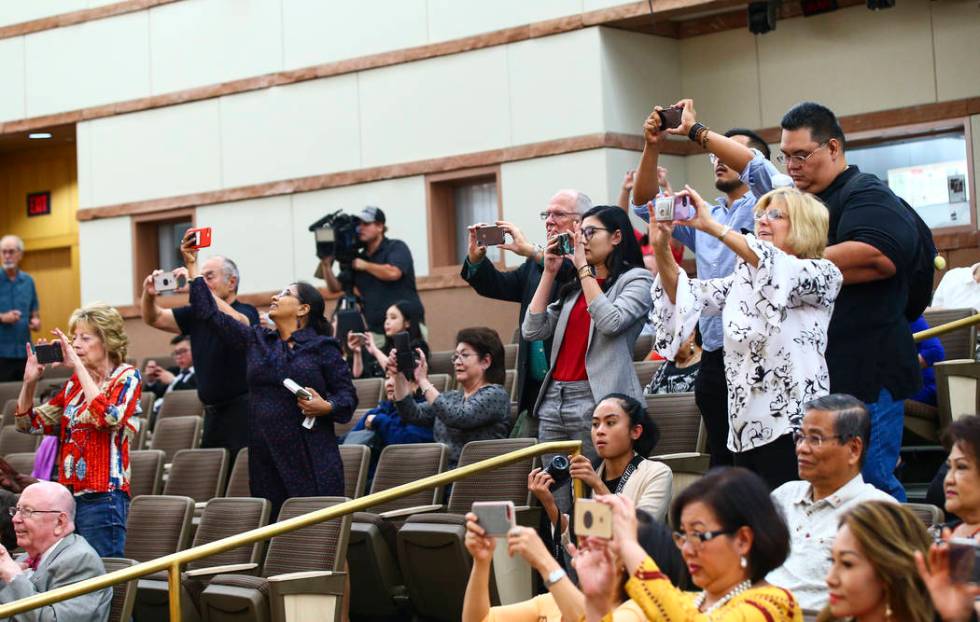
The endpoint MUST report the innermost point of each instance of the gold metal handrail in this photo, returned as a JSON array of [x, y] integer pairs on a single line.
[[942, 329], [172, 563]]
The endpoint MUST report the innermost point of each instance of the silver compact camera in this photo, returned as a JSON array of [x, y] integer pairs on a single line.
[[168, 282]]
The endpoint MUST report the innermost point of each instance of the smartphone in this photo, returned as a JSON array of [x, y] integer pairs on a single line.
[[349, 321], [963, 566], [565, 245], [48, 353], [361, 337], [168, 282], [489, 235], [496, 517], [405, 356], [669, 209], [593, 519], [200, 238], [297, 390], [670, 118]]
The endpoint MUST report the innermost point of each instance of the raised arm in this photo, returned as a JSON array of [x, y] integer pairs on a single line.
[[538, 322], [646, 183], [205, 307], [152, 314], [732, 154]]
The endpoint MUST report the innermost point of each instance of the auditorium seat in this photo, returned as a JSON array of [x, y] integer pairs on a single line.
[[929, 514], [222, 517], [642, 347], [180, 404], [138, 440], [238, 480], [22, 462], [960, 343], [341, 429], [165, 361], [645, 371], [368, 391], [510, 355], [375, 578], [442, 382], [510, 379], [431, 554], [303, 568], [61, 373], [441, 362], [957, 394], [123, 594], [9, 391], [158, 526], [9, 412], [13, 442], [145, 472], [356, 459], [198, 474], [679, 420], [172, 435]]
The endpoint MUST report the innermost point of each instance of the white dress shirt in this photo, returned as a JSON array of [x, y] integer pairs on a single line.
[[812, 527], [957, 290]]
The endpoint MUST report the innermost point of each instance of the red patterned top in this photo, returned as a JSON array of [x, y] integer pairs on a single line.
[[94, 449]]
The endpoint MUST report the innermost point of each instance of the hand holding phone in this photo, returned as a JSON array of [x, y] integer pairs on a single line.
[[198, 238], [169, 282], [670, 117], [496, 517], [489, 235], [300, 392], [593, 519], [49, 353]]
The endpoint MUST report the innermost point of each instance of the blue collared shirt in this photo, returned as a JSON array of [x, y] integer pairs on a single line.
[[714, 260], [17, 294]]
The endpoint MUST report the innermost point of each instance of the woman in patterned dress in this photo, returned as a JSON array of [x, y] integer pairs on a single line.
[[285, 457], [775, 307]]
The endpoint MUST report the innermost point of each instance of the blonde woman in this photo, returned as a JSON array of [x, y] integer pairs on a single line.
[[93, 415], [873, 574], [775, 308]]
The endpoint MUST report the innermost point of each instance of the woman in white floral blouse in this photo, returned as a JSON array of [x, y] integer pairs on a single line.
[[775, 309]]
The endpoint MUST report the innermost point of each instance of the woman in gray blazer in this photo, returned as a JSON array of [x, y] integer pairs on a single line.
[[602, 306]]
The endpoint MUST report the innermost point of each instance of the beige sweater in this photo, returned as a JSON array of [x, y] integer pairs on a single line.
[[649, 488]]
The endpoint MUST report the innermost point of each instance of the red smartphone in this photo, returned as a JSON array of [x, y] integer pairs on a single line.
[[201, 237]]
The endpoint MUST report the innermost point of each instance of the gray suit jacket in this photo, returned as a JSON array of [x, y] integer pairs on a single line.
[[618, 316], [71, 561]]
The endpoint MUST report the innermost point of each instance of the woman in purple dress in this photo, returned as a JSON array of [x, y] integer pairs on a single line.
[[285, 457]]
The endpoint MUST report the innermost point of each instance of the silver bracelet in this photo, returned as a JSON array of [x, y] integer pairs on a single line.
[[724, 232]]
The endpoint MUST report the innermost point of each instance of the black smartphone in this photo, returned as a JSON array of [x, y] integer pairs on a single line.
[[348, 320], [48, 353], [670, 118], [404, 357]]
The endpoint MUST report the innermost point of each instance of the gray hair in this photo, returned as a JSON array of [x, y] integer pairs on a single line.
[[230, 269], [852, 420], [16, 239]]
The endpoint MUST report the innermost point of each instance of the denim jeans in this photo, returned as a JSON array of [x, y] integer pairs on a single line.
[[881, 456], [100, 518]]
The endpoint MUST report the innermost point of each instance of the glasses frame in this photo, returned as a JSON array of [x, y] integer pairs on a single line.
[[785, 160], [589, 232], [768, 215], [458, 356], [557, 215], [697, 539], [799, 437], [28, 514]]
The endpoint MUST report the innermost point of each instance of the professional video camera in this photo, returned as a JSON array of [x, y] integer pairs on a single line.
[[336, 236]]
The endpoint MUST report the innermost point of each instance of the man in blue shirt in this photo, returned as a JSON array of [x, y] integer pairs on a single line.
[[18, 310], [712, 257]]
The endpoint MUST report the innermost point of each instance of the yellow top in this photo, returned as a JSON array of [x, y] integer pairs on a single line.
[[543, 608], [660, 600]]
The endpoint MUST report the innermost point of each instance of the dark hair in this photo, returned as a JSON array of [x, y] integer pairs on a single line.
[[852, 419], [819, 119], [178, 338], [637, 412], [755, 140], [965, 433], [625, 255], [309, 295], [740, 498], [412, 313], [486, 342]]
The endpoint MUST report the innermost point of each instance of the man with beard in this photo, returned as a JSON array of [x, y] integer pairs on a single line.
[[713, 259], [18, 310]]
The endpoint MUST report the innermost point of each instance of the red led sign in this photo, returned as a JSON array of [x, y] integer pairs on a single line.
[[38, 203]]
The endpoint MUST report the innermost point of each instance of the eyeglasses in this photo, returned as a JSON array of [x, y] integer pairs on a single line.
[[769, 214], [287, 292], [459, 356], [557, 215], [588, 232], [797, 158], [182, 351], [26, 513], [815, 441], [697, 538]]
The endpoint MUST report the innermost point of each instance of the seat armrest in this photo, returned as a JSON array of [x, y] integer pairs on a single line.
[[311, 582], [199, 506], [216, 570], [688, 461], [418, 509]]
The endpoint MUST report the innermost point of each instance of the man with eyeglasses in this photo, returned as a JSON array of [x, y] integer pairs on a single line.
[[713, 258], [830, 450], [54, 556], [873, 239], [564, 210]]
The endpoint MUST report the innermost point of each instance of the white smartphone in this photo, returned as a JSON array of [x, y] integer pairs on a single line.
[[299, 391]]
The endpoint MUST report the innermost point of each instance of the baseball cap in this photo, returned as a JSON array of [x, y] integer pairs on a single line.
[[371, 214]]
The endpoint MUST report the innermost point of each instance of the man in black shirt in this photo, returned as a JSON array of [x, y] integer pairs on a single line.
[[220, 371], [873, 240], [384, 272]]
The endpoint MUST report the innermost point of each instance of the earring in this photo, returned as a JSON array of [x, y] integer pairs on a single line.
[[888, 612], [692, 348], [744, 563]]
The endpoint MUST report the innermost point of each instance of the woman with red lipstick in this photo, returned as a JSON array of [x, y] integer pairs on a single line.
[[776, 309], [962, 481]]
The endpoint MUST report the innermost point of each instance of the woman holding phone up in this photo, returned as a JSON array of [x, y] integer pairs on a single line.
[[292, 449]]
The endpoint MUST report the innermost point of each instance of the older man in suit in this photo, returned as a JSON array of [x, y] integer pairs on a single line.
[[55, 556]]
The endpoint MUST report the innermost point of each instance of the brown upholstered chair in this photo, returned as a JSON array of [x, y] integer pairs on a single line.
[[642, 347], [172, 435], [14, 442], [123, 594], [9, 391], [22, 462], [441, 363], [679, 420], [372, 552], [958, 344], [368, 391], [510, 380], [9, 412], [198, 474], [238, 480], [645, 371], [158, 526], [308, 562], [145, 472], [180, 404], [222, 517], [356, 459], [431, 554], [929, 514], [340, 429], [442, 382], [510, 355]]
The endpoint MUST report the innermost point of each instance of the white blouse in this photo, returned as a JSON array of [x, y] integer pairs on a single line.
[[775, 319]]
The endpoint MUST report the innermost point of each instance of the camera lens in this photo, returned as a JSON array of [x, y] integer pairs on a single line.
[[587, 519]]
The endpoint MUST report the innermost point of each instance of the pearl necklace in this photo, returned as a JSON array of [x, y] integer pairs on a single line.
[[735, 591]]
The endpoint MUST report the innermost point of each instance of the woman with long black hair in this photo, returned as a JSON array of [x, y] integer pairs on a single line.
[[292, 449], [600, 311]]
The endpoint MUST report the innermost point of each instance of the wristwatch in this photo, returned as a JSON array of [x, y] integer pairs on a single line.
[[554, 576]]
